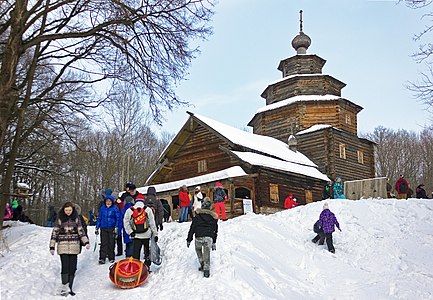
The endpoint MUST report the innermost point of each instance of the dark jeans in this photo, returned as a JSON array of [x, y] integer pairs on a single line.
[[128, 249], [321, 236], [136, 249], [107, 244], [69, 263], [119, 243]]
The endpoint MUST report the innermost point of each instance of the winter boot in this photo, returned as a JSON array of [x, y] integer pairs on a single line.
[[71, 283], [64, 290], [206, 273], [101, 261], [201, 267]]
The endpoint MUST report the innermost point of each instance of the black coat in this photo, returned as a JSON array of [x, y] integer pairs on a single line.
[[205, 223], [420, 193]]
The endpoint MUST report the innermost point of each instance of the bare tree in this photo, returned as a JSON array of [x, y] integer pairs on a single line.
[[81, 43], [423, 86]]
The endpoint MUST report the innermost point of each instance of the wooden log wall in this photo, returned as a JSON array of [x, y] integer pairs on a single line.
[[201, 145], [287, 184]]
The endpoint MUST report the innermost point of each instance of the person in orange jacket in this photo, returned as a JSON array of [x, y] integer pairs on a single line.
[[290, 202]]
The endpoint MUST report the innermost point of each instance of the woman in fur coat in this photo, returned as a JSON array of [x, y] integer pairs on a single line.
[[68, 233]]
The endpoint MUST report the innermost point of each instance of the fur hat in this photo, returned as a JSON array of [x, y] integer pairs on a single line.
[[325, 206], [151, 191], [207, 204], [140, 197]]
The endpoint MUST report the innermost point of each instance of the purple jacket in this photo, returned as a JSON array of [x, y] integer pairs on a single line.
[[327, 221]]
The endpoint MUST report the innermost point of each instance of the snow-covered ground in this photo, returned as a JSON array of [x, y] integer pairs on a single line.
[[383, 252]]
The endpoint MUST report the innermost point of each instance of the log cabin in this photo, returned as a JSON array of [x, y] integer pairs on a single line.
[[304, 135]]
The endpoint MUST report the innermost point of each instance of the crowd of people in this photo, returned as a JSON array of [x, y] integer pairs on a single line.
[[129, 224]]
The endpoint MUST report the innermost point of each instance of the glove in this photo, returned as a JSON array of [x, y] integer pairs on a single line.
[[96, 231], [155, 239], [88, 246], [213, 247], [187, 244], [132, 235], [339, 229], [52, 251], [161, 227]]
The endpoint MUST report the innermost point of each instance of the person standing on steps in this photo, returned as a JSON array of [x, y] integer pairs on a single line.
[[68, 233]]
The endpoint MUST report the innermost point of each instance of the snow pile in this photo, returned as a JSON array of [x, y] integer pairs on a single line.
[[383, 252]]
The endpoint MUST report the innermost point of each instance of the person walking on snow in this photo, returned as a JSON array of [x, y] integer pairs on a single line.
[[205, 227], [109, 221], [290, 202], [327, 221], [139, 231], [68, 233], [219, 196]]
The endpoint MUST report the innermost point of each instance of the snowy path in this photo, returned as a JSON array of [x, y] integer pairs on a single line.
[[383, 252]]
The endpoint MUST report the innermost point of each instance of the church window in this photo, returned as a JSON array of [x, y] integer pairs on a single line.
[[342, 151], [348, 119], [360, 157], [201, 166]]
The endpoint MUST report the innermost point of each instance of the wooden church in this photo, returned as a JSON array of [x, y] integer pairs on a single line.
[[308, 103], [304, 136]]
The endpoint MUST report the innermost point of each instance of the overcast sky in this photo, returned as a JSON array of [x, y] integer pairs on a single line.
[[367, 45]]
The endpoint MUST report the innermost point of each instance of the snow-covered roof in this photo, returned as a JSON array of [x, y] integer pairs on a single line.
[[269, 162], [313, 128], [297, 99], [264, 144], [231, 172]]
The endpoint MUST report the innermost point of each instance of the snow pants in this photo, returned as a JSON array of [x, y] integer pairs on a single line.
[[136, 249], [220, 208], [107, 244], [203, 246]]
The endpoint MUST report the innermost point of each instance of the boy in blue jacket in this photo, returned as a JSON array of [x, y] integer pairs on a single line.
[[109, 221]]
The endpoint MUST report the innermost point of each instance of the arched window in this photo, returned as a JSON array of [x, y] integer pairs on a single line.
[[242, 193]]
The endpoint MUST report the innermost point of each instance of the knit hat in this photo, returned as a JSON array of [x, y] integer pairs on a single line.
[[140, 197], [197, 188], [151, 191], [132, 186], [325, 206], [218, 184], [206, 203], [129, 199]]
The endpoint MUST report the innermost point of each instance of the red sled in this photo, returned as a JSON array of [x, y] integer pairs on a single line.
[[128, 273]]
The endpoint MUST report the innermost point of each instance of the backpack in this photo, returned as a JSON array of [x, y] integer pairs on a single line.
[[316, 227], [403, 188], [139, 219]]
